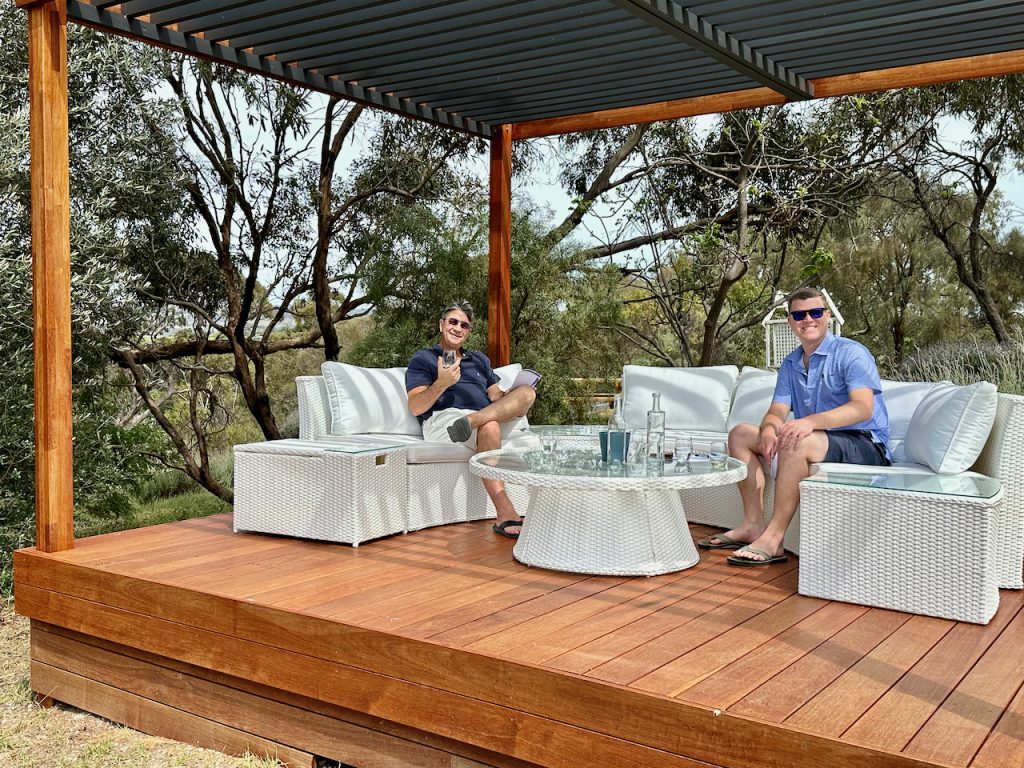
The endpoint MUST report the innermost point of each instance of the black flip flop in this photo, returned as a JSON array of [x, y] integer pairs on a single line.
[[499, 528], [769, 558]]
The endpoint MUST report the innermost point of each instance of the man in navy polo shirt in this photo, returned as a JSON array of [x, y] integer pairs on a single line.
[[461, 401], [831, 385]]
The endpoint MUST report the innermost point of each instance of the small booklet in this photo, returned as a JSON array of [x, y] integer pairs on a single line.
[[526, 378]]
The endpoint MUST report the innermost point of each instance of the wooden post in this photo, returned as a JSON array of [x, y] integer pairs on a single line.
[[51, 271], [499, 279]]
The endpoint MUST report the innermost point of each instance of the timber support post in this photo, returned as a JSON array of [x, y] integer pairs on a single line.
[[499, 274], [51, 271]]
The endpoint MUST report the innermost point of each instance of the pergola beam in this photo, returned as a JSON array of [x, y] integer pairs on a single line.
[[51, 272], [915, 75], [499, 273], [719, 45]]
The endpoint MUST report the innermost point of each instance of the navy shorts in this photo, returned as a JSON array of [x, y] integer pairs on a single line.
[[854, 446]]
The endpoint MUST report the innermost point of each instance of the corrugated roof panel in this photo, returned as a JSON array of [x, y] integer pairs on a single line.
[[471, 64]]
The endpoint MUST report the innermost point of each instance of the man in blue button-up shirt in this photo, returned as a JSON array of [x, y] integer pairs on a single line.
[[832, 387]]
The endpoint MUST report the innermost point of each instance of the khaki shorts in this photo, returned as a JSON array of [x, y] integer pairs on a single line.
[[435, 429]]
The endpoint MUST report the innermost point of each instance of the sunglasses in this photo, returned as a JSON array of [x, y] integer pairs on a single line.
[[462, 323], [800, 314]]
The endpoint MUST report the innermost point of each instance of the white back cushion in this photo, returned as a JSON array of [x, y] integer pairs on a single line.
[[901, 400], [692, 398], [950, 426], [368, 400], [752, 397]]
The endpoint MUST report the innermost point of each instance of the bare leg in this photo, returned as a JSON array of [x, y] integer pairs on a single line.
[[744, 440], [794, 466], [488, 438], [511, 406]]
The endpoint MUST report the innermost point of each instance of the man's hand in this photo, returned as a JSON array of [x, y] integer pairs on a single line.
[[446, 377], [793, 432], [769, 442]]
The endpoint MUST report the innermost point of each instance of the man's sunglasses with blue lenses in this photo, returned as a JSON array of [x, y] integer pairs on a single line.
[[800, 314], [467, 326]]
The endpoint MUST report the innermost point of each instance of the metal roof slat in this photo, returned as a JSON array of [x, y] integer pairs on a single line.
[[172, 38], [483, 51], [483, 98], [570, 71], [499, 18], [249, 33], [697, 33], [631, 93], [464, 41]]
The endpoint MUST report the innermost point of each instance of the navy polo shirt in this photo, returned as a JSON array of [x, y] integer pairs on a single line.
[[469, 392]]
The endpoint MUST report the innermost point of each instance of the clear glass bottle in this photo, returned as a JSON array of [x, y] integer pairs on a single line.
[[655, 427], [616, 432]]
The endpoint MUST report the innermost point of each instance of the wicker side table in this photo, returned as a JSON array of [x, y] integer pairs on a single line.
[[898, 541], [340, 490]]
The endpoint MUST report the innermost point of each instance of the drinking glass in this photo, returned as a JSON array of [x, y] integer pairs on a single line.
[[550, 444], [637, 456], [670, 450], [699, 456], [448, 358], [719, 455]]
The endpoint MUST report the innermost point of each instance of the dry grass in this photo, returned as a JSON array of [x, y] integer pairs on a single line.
[[64, 737]]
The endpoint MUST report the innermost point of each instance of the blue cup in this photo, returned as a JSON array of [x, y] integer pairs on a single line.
[[619, 448]]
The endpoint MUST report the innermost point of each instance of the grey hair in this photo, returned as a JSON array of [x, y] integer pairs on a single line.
[[463, 306], [803, 294]]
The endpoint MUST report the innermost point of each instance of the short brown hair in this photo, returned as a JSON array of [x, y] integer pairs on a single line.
[[805, 293], [462, 305]]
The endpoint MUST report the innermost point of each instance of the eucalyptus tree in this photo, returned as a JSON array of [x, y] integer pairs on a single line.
[[707, 222], [299, 211], [121, 193], [951, 180]]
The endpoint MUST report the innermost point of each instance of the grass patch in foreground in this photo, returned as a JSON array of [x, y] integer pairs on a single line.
[[185, 506]]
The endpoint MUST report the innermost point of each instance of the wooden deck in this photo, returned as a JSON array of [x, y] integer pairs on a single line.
[[439, 649]]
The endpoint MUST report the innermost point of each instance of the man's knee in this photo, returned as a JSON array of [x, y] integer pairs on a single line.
[[744, 436], [525, 397], [489, 435]]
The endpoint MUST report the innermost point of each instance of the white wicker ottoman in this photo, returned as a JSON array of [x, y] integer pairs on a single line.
[[918, 551], [341, 490]]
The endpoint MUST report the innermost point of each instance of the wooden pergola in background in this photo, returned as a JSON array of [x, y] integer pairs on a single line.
[[501, 70]]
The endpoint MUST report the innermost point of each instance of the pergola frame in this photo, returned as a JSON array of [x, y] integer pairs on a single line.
[[48, 96]]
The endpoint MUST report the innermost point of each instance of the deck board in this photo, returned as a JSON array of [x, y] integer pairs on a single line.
[[441, 635]]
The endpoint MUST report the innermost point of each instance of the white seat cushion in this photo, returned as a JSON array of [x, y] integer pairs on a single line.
[[368, 400], [692, 398], [950, 426], [752, 397]]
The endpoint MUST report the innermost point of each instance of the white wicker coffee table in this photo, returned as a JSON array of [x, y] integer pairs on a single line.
[[586, 518]]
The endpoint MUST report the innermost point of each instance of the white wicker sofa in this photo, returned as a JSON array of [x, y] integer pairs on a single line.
[[895, 549], [929, 554], [348, 404]]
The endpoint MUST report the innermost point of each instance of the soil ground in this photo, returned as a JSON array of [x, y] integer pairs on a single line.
[[65, 737]]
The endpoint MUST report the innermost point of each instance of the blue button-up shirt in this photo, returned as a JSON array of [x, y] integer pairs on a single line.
[[838, 366]]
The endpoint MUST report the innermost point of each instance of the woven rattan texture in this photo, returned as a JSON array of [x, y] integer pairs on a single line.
[[914, 552], [326, 495], [1003, 459], [624, 533]]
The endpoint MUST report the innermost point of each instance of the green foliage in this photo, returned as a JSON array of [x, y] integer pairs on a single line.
[[966, 362], [119, 191]]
